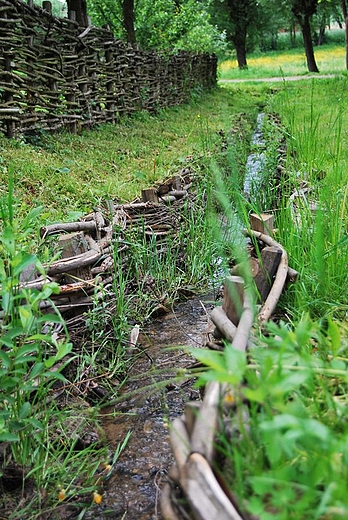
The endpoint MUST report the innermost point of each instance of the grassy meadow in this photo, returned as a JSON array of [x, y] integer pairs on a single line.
[[291, 459], [330, 60]]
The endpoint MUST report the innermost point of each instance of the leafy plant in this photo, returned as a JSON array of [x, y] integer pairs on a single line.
[[29, 348], [285, 444]]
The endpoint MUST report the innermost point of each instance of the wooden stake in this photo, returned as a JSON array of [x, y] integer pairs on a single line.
[[262, 223], [204, 429], [204, 492], [149, 194], [270, 259], [232, 302]]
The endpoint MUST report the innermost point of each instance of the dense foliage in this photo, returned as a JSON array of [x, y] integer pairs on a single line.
[[220, 26]]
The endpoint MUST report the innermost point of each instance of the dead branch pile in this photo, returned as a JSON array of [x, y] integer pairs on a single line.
[[54, 74], [93, 249]]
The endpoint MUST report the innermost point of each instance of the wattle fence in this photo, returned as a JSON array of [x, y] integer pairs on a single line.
[[54, 74]]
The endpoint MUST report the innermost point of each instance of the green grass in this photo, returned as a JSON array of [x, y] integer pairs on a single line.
[[67, 174], [314, 118], [330, 60]]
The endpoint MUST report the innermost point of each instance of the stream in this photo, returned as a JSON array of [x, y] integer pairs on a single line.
[[133, 491]]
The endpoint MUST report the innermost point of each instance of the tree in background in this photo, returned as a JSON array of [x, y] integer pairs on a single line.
[[80, 9], [128, 20], [303, 10], [172, 25], [239, 19], [212, 25], [345, 18]]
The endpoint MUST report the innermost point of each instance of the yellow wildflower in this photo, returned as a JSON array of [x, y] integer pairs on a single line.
[[97, 498], [62, 494]]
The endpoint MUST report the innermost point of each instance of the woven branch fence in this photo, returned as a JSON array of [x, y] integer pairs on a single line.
[[54, 74]]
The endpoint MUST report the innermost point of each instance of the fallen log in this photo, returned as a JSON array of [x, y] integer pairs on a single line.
[[180, 443], [223, 323], [166, 503], [65, 265], [205, 425]]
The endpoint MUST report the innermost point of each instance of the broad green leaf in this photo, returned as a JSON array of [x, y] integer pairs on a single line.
[[7, 340], [27, 318], [49, 318], [24, 410], [46, 338], [9, 383], [23, 360], [335, 336], [5, 358], [3, 274], [8, 240], [210, 358], [6, 302], [54, 375], [235, 363], [63, 350], [37, 424], [8, 437], [257, 395], [21, 262], [36, 370], [27, 348], [16, 425]]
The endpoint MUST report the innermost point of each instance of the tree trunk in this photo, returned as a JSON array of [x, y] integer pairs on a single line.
[[128, 20], [80, 8], [308, 45], [345, 16], [321, 34], [241, 56]]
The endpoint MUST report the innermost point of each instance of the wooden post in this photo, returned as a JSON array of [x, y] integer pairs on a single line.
[[233, 299], [110, 99], [149, 194], [8, 95], [47, 6], [262, 223], [270, 259]]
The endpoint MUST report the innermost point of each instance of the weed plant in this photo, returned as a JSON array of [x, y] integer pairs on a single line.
[[285, 441]]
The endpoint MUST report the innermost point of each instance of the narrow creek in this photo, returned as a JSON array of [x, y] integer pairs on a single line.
[[133, 490]]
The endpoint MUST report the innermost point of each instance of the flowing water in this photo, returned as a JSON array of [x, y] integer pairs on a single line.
[[256, 162], [133, 490]]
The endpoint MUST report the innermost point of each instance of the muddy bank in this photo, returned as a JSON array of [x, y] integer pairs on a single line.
[[134, 488]]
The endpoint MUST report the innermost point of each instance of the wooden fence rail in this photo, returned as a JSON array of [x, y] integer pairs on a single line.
[[54, 74]]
